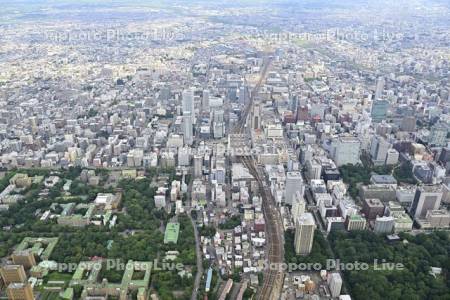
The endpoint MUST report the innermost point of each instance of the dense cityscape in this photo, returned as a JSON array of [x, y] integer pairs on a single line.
[[225, 150]]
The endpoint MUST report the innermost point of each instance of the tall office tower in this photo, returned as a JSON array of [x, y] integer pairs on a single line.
[[380, 88], [20, 291], [313, 169], [392, 157], [242, 95], [188, 103], [294, 183], [346, 150], [427, 197], [298, 206], [205, 100], [379, 149], [198, 165], [335, 284], [293, 103], [379, 110], [306, 153], [304, 234], [13, 273], [184, 156], [187, 128], [232, 94], [256, 116], [218, 130], [218, 115]]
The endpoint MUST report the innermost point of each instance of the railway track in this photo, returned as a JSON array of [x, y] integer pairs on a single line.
[[240, 126], [273, 277]]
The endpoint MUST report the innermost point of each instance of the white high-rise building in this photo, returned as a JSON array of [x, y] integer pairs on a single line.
[[188, 103], [392, 157], [187, 128], [242, 95], [335, 284], [198, 165], [298, 206], [314, 169], [294, 183], [205, 100], [184, 156], [304, 234]]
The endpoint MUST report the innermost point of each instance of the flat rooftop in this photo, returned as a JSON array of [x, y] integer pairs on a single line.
[[171, 233]]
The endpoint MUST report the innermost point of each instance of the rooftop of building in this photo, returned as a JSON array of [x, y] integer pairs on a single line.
[[383, 179], [171, 233]]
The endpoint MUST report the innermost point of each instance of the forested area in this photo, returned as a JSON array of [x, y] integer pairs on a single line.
[[354, 175], [417, 254], [138, 235]]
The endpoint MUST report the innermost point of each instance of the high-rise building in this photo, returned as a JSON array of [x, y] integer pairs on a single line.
[[205, 100], [298, 206], [294, 184], [13, 273], [187, 128], [379, 110], [184, 156], [392, 157], [335, 284], [256, 116], [242, 95], [198, 165], [313, 169], [346, 150], [427, 198], [218, 130], [304, 234], [20, 291], [188, 104], [378, 150]]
